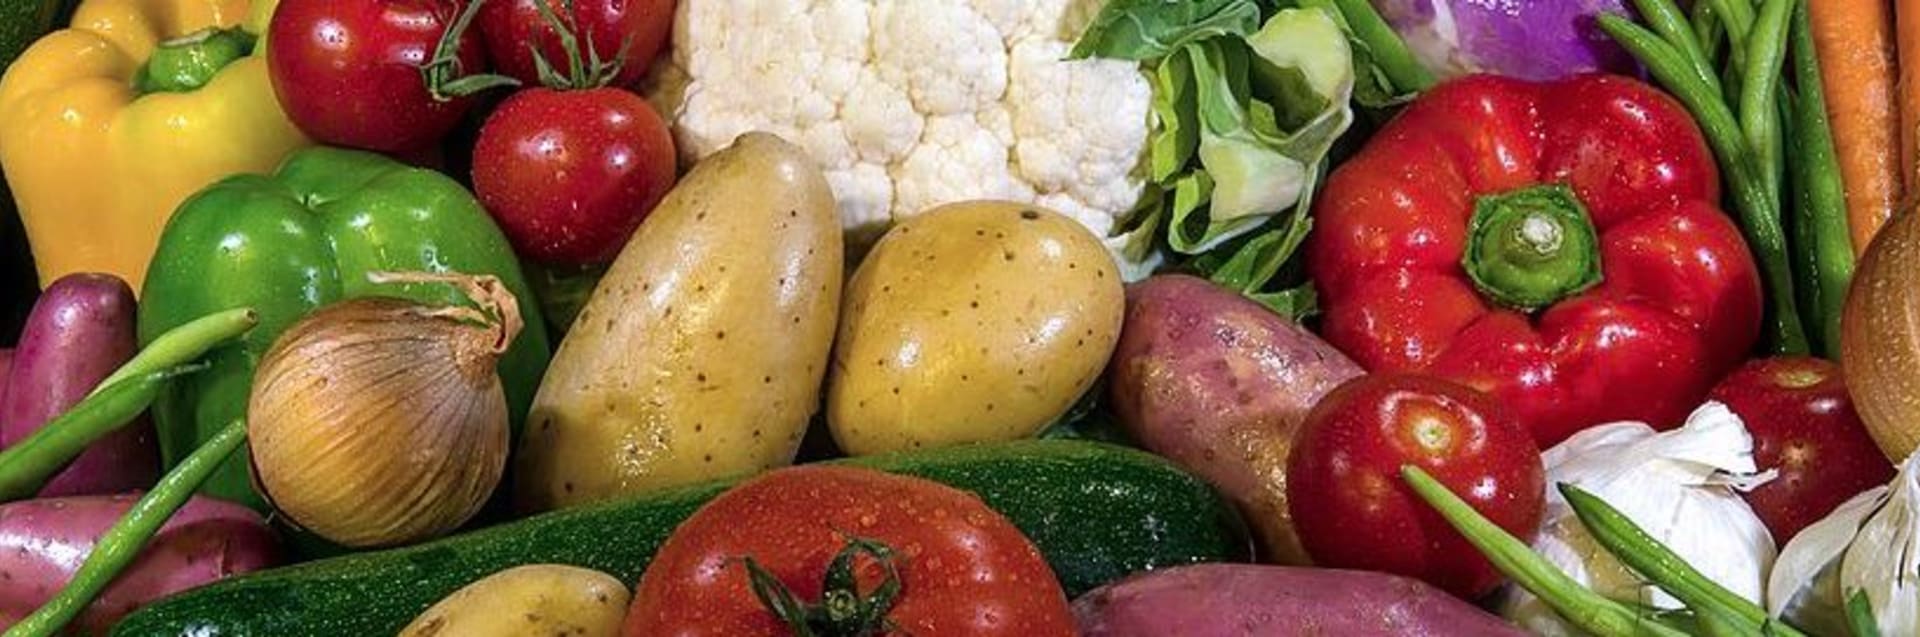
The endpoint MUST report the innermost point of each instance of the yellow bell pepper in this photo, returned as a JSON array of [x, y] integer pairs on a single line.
[[100, 145]]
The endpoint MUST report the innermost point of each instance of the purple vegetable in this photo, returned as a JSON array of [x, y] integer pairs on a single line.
[[1528, 39], [1235, 600], [42, 542], [81, 329]]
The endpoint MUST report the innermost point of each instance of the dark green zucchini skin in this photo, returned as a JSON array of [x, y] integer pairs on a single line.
[[1097, 512]]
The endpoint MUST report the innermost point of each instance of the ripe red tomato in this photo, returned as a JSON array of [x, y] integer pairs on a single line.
[[1352, 509], [569, 174], [964, 569], [641, 26], [348, 71], [1803, 425]]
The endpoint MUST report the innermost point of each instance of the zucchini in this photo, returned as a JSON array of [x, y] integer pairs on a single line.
[[1097, 512]]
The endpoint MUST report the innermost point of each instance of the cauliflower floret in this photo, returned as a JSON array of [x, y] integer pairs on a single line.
[[909, 104]]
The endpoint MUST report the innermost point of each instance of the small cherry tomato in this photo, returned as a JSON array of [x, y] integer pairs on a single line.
[[962, 568], [348, 72], [569, 174], [1351, 507], [1803, 425], [630, 32]]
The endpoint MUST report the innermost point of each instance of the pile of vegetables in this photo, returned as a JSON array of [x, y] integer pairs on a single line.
[[1121, 317]]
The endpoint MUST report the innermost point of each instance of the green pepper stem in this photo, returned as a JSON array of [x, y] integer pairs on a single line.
[[183, 65], [118, 547], [1530, 248]]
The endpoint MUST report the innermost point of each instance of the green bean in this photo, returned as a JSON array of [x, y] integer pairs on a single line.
[[1759, 216], [1583, 608], [186, 343], [27, 466], [1760, 88], [1654, 561], [1708, 29], [118, 547], [1390, 53], [1668, 22], [1823, 194]]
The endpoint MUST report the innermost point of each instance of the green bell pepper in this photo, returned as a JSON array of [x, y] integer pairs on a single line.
[[303, 238]]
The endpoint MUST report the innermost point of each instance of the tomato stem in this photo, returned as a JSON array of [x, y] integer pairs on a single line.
[[843, 611], [445, 77]]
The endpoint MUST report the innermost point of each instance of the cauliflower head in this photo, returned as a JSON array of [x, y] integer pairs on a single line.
[[908, 104]]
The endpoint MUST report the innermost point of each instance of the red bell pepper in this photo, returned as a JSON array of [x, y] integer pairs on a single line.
[[1558, 245]]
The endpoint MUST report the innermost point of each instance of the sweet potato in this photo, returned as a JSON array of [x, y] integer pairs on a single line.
[[42, 542], [1237, 599], [79, 332], [1219, 383]]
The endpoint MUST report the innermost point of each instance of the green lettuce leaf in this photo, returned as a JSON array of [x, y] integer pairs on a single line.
[[1142, 30]]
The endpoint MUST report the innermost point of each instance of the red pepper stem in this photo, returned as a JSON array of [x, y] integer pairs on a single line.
[[1530, 248]]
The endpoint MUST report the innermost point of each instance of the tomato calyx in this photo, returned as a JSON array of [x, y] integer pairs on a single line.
[[585, 68], [843, 611]]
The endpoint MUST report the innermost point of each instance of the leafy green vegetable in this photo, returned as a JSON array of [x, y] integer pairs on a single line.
[[1141, 30], [1246, 120]]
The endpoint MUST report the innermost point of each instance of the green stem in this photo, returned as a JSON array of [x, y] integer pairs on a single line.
[[1390, 53], [118, 547], [1666, 569], [1823, 194], [1757, 209], [1759, 93], [1860, 618], [1585, 609], [1670, 23], [1532, 247], [27, 466], [185, 344], [184, 65]]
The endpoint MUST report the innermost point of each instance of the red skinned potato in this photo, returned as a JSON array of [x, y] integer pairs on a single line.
[[1223, 600], [42, 543], [1218, 383], [81, 330]]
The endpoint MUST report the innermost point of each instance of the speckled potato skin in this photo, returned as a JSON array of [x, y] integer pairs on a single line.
[[972, 322], [538, 599], [700, 355], [1219, 384]]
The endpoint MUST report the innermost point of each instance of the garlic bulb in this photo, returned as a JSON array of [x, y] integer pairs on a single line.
[[1871, 543], [1681, 486], [377, 421]]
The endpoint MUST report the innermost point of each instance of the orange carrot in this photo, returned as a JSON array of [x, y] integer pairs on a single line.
[[1856, 43]]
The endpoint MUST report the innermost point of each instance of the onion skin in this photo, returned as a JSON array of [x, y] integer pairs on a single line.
[[379, 422], [1880, 338]]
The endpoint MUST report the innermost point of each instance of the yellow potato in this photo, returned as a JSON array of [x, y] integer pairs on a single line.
[[541, 599], [973, 322], [701, 353]]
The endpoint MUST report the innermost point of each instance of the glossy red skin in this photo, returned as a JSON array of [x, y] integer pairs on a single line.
[[1353, 510], [641, 26], [569, 175], [965, 569], [1680, 303], [348, 71], [1803, 425]]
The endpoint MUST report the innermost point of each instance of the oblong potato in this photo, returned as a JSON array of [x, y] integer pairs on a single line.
[[972, 322], [701, 353], [537, 599]]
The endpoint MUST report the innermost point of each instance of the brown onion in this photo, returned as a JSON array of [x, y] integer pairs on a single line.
[[377, 421], [1880, 338]]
